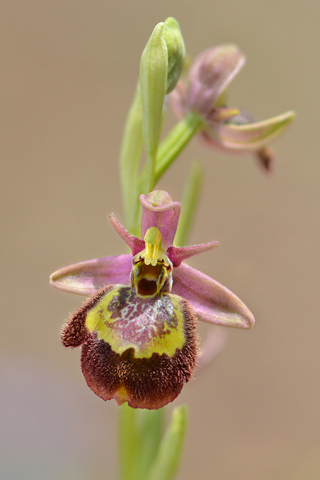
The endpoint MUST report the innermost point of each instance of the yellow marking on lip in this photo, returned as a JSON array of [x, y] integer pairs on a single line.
[[99, 319]]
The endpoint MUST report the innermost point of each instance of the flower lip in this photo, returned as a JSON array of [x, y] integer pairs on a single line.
[[147, 287], [148, 278], [135, 350]]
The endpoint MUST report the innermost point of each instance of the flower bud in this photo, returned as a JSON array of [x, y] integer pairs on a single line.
[[160, 68], [176, 52]]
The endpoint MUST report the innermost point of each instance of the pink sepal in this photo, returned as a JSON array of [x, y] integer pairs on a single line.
[[210, 74], [158, 210], [213, 302], [85, 278]]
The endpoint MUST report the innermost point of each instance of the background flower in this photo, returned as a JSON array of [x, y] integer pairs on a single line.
[[204, 94]]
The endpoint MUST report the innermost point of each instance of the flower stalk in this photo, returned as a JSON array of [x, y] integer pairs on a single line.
[[140, 433], [172, 145]]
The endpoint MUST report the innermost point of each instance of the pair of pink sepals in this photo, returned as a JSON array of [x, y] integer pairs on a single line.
[[211, 301]]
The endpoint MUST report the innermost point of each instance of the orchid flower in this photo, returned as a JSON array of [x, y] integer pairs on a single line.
[[138, 328], [227, 128]]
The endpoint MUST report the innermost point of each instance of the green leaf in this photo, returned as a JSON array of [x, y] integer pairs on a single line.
[[151, 427], [168, 458]]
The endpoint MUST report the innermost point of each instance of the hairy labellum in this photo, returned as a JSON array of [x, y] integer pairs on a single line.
[[138, 342]]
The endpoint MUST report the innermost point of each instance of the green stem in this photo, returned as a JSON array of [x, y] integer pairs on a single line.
[[129, 161], [129, 443], [189, 204], [151, 425], [140, 433], [176, 140]]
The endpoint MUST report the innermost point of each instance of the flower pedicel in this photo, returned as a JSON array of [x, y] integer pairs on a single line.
[[137, 331]]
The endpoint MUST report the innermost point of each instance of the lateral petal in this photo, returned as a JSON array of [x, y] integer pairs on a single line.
[[135, 243], [179, 254]]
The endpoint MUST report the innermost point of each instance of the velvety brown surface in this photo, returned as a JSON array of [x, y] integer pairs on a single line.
[[148, 382], [68, 73]]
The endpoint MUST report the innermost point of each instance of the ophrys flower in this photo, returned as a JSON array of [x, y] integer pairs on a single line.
[[138, 328]]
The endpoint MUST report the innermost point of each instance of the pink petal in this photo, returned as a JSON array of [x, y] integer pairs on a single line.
[[158, 210], [213, 302], [136, 244], [210, 74], [179, 254], [85, 278]]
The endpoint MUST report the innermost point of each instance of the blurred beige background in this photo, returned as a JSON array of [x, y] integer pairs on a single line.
[[68, 72]]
